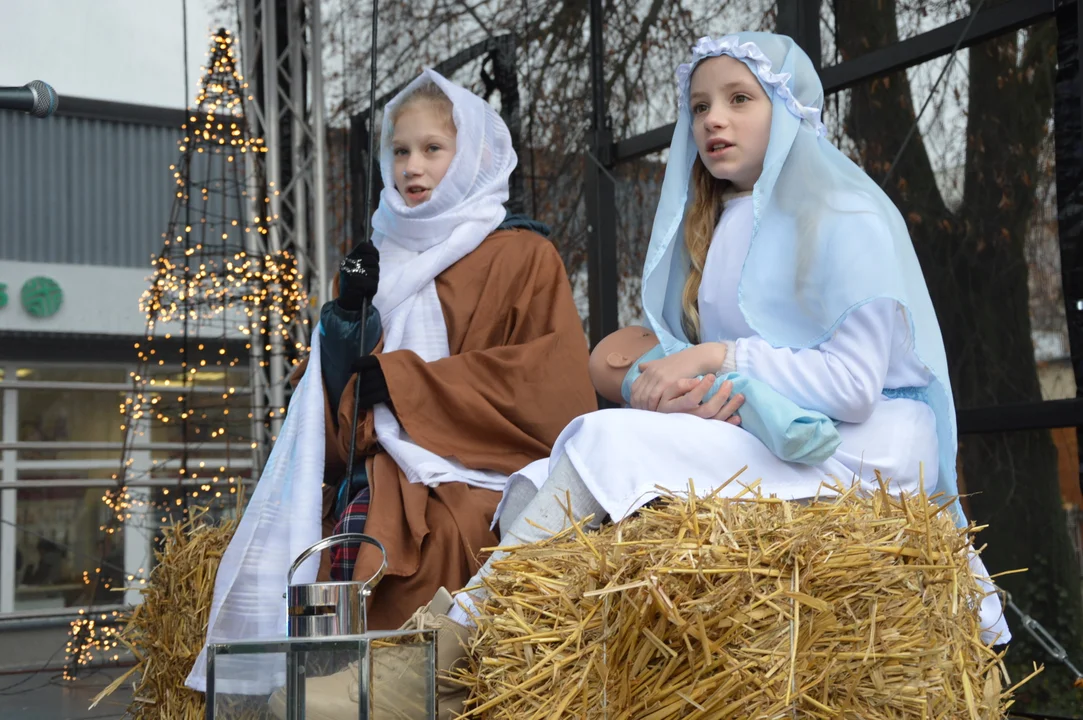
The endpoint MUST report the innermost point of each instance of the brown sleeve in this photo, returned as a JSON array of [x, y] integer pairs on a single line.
[[520, 373]]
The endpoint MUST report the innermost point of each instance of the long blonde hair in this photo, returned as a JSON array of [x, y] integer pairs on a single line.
[[699, 225]]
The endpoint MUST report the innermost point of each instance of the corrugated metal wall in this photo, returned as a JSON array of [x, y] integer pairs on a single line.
[[84, 189]]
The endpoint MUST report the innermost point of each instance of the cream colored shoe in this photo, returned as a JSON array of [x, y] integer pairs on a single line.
[[399, 682]]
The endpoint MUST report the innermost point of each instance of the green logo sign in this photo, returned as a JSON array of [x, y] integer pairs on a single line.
[[41, 297], [3, 295]]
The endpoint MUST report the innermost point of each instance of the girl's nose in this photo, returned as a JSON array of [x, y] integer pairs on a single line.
[[413, 166], [716, 119]]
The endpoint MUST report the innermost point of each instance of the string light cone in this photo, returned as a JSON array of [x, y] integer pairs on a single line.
[[216, 296]]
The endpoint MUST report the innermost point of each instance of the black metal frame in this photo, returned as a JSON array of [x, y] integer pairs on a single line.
[[800, 20], [1068, 138], [32, 346], [905, 54], [601, 192]]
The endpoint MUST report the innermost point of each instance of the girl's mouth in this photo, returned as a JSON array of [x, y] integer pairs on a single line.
[[718, 148], [416, 192]]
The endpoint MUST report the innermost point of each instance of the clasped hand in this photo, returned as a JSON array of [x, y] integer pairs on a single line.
[[679, 383]]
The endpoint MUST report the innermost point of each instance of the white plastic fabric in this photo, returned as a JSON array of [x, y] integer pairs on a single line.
[[281, 520], [417, 244]]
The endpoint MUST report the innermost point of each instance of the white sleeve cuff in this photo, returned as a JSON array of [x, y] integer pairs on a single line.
[[730, 363]]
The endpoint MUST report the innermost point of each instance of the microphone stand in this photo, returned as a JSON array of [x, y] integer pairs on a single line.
[[366, 235]]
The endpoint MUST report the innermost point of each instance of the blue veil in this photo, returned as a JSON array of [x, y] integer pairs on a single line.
[[825, 239]]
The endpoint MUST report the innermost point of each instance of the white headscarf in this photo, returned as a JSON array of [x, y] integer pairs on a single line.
[[417, 244], [282, 519]]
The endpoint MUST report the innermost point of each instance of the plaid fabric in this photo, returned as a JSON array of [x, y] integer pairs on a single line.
[[352, 520]]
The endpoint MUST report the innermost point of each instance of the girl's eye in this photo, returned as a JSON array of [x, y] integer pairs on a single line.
[[741, 99], [434, 148], [699, 108], [399, 152]]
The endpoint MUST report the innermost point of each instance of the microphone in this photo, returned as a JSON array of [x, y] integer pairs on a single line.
[[35, 98]]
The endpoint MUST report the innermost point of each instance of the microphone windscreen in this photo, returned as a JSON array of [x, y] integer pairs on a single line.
[[45, 99]]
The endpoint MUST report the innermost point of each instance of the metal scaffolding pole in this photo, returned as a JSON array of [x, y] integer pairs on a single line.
[[800, 19], [321, 288], [255, 245], [283, 56]]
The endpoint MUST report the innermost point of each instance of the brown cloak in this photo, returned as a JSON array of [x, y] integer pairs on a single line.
[[516, 376]]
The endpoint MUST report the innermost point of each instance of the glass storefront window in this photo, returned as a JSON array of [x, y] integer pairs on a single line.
[[206, 377], [217, 419], [60, 548], [60, 553], [64, 415], [49, 476]]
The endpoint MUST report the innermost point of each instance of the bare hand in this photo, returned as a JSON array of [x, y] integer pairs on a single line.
[[658, 376], [686, 396]]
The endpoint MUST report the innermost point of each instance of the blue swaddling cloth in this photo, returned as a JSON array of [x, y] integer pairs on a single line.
[[790, 432]]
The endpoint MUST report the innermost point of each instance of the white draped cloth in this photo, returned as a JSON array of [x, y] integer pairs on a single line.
[[281, 520]]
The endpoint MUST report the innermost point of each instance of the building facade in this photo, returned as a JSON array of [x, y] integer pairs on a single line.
[[85, 197]]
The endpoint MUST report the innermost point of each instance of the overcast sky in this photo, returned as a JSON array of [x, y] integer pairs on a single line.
[[123, 50]]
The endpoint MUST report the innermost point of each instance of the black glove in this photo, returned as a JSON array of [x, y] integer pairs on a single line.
[[358, 276], [370, 382]]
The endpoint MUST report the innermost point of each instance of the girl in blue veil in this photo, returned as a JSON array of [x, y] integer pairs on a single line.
[[775, 257]]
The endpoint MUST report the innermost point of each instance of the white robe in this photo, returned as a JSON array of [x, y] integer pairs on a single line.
[[623, 454]]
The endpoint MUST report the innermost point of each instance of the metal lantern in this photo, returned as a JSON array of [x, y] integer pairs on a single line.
[[328, 652], [330, 609]]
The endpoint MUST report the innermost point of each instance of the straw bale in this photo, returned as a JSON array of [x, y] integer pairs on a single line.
[[858, 606], [166, 632]]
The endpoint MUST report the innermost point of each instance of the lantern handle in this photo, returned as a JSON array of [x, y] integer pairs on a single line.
[[334, 540]]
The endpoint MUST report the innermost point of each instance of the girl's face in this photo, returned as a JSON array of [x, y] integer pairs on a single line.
[[423, 146], [731, 120]]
